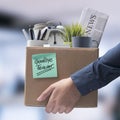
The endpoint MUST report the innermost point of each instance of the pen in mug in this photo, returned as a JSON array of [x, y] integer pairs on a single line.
[[25, 34], [39, 34], [31, 33], [44, 34]]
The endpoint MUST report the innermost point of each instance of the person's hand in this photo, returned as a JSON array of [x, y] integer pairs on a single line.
[[63, 96]]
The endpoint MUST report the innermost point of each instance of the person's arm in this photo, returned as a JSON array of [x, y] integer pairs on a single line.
[[99, 73], [64, 94]]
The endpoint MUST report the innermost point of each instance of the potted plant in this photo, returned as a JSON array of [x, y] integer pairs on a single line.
[[75, 36]]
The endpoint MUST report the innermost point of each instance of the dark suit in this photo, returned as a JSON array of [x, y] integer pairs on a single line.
[[99, 73]]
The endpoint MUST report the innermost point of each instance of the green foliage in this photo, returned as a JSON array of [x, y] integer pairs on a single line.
[[72, 31]]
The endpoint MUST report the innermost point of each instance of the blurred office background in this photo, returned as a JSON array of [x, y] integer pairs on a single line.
[[17, 14]]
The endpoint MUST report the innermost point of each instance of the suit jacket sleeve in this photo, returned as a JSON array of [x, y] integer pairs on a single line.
[[99, 73]]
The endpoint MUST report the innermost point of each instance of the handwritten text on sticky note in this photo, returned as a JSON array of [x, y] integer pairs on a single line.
[[44, 65]]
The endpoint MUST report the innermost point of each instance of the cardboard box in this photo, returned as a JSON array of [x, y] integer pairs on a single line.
[[45, 66]]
